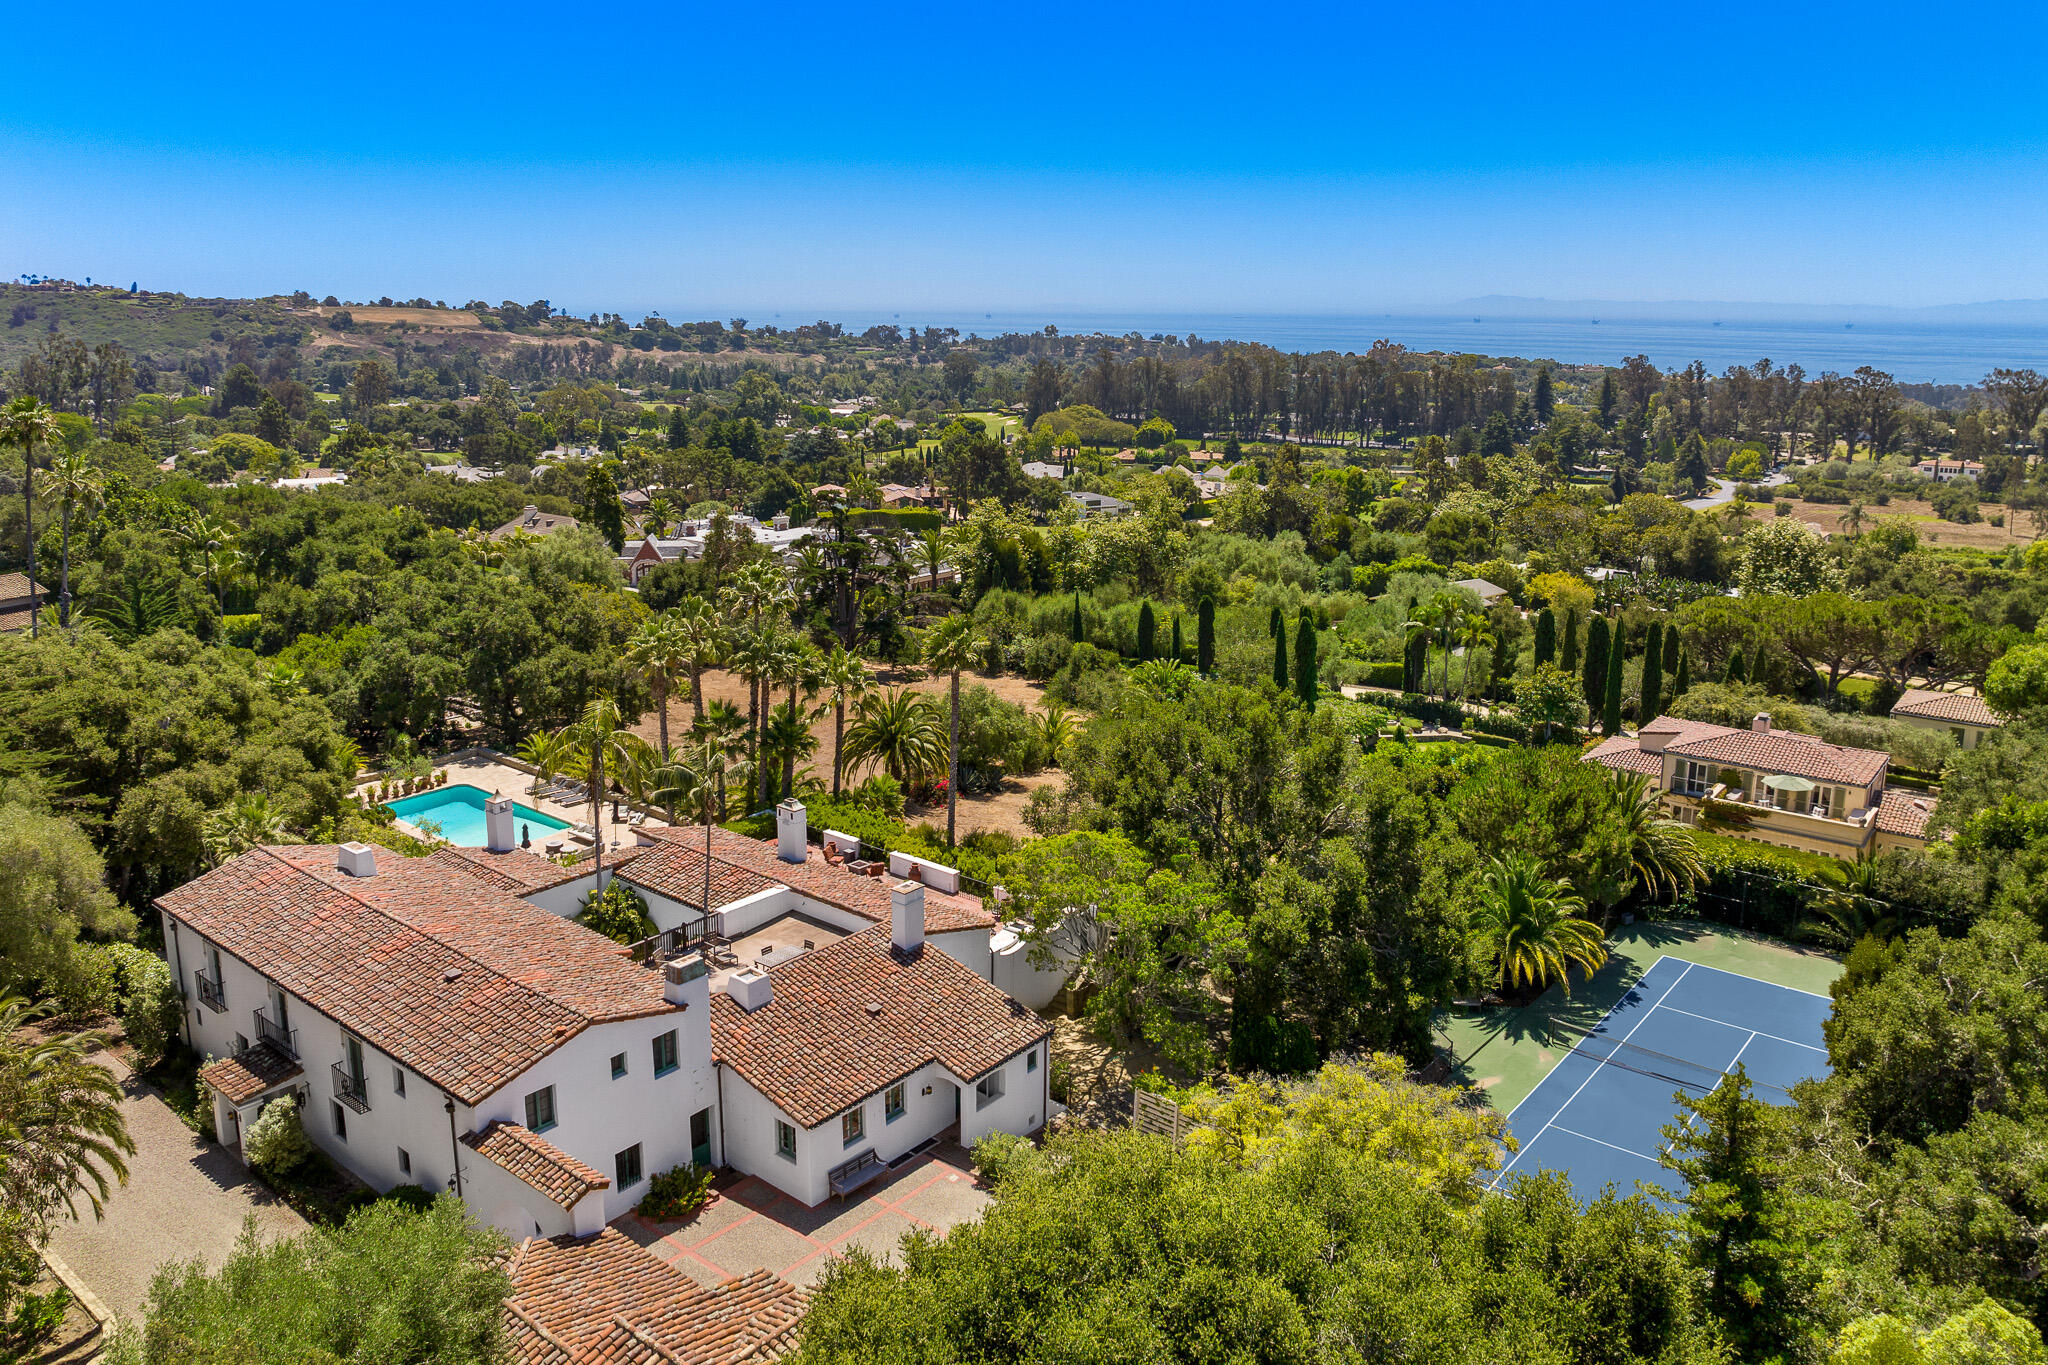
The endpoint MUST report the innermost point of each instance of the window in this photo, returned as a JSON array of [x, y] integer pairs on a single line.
[[988, 1090], [627, 1166], [540, 1109], [892, 1104], [340, 1120], [618, 1065], [665, 1053], [404, 1162], [785, 1141], [853, 1127], [398, 1081], [1031, 1061]]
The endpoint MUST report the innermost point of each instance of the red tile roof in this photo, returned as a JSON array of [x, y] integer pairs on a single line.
[[249, 1073], [520, 871], [816, 1048], [831, 883], [461, 981], [1960, 707], [675, 868], [607, 1301], [1905, 812], [532, 1158], [1771, 751]]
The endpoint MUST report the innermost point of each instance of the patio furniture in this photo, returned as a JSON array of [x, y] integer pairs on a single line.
[[849, 1176]]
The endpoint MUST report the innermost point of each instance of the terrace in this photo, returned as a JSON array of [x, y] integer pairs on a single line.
[[500, 776]]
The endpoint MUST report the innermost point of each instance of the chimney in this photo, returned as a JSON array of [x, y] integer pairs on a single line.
[[498, 824], [1761, 723], [356, 860], [792, 832], [750, 988], [685, 982], [1653, 741], [906, 918]]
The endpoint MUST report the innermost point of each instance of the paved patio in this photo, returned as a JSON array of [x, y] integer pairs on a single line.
[[751, 1225], [502, 779]]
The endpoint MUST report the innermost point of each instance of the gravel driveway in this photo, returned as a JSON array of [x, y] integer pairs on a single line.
[[185, 1197]]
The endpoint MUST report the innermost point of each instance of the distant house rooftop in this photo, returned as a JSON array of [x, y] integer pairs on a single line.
[[1100, 505], [1489, 593], [1920, 703], [534, 522]]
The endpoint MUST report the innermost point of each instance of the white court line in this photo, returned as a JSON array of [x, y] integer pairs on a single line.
[[1753, 1036], [1626, 1151], [1597, 1064], [1818, 995], [1754, 1033]]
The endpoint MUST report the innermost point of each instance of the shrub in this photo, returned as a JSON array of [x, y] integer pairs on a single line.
[[150, 1005], [1383, 674], [276, 1144], [411, 1198], [619, 914], [675, 1193], [881, 794]]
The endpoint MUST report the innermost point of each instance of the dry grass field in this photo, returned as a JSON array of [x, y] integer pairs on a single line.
[[2018, 530], [442, 319]]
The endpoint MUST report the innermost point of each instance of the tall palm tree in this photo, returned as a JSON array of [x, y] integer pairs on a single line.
[[29, 426], [72, 480], [899, 732], [62, 1133], [691, 786], [701, 632], [723, 730], [1472, 633], [1662, 854], [931, 552], [213, 540], [601, 745], [658, 653], [547, 753], [846, 679], [949, 648], [786, 740], [1443, 611], [1534, 925]]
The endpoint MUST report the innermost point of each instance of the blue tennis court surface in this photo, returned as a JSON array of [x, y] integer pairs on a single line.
[[1599, 1117]]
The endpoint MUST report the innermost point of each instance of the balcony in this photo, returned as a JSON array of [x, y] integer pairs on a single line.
[[351, 1089], [285, 1040], [210, 993]]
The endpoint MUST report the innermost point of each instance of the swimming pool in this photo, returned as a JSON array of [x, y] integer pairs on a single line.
[[459, 811]]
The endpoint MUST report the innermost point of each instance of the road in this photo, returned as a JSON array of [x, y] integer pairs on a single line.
[[185, 1197], [1724, 492]]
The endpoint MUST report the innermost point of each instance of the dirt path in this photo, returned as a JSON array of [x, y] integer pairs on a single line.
[[1003, 810]]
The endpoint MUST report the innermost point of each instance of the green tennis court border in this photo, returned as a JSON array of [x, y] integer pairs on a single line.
[[1505, 1052]]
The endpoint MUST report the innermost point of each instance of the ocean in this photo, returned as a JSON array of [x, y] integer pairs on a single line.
[[1912, 351]]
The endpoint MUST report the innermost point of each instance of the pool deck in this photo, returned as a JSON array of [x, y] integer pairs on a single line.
[[502, 779], [1506, 1052]]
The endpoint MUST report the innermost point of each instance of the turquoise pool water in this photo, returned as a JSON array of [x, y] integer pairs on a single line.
[[459, 811]]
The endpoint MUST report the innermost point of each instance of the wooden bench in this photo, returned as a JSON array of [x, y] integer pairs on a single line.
[[849, 1176]]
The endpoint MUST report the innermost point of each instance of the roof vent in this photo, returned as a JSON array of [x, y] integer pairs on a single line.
[[750, 988], [452, 974], [1761, 723], [874, 1009], [356, 860]]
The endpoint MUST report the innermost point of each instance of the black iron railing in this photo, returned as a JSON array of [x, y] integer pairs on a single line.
[[285, 1040], [210, 993], [351, 1089]]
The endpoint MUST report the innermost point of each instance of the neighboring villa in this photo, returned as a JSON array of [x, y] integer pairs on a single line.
[[445, 1023], [1487, 593], [534, 522], [1774, 786], [778, 536], [19, 600], [1942, 470], [1100, 505], [1961, 715]]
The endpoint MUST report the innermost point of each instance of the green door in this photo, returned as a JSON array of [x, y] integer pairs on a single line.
[[700, 1137]]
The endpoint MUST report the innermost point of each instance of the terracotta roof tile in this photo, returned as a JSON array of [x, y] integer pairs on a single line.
[[1775, 751], [824, 881], [675, 868], [520, 871], [814, 1049], [463, 982], [1905, 812], [607, 1301], [249, 1073], [1960, 707], [533, 1159]]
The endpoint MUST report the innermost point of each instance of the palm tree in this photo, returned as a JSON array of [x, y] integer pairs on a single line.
[[1850, 910], [1473, 633], [786, 740], [724, 729], [931, 552], [1662, 854], [897, 731], [29, 425], [246, 822], [1534, 925], [1056, 730], [692, 787], [547, 753], [950, 647], [600, 745], [214, 542], [1443, 611], [75, 484], [846, 678], [62, 1133], [657, 652], [701, 633]]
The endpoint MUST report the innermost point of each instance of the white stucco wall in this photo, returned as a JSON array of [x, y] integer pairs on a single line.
[[1021, 1109]]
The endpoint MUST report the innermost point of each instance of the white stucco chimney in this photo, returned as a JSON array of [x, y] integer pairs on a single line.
[[906, 917], [686, 982], [498, 836], [792, 831], [749, 986], [356, 860], [1761, 723]]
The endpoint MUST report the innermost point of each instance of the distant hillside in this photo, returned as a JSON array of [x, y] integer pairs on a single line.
[[163, 326]]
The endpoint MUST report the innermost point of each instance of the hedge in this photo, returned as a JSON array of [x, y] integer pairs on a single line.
[[1756, 886], [1389, 675], [1445, 713], [877, 833]]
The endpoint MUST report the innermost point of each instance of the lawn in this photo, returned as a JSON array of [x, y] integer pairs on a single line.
[[1505, 1052]]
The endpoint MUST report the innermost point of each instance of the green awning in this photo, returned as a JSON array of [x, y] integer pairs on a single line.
[[1779, 782]]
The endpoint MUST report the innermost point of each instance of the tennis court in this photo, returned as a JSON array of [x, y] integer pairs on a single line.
[[1599, 1116]]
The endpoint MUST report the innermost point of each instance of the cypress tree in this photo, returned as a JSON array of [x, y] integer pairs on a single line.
[[1277, 624], [1178, 654], [1760, 667], [1281, 679], [1568, 643], [1617, 656], [1546, 636], [1145, 627], [1413, 661], [1305, 660], [1596, 665], [1653, 674], [1205, 637], [1078, 631], [1738, 670], [1673, 648], [1681, 682]]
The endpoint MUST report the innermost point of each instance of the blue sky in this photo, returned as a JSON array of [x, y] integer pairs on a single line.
[[1192, 157]]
